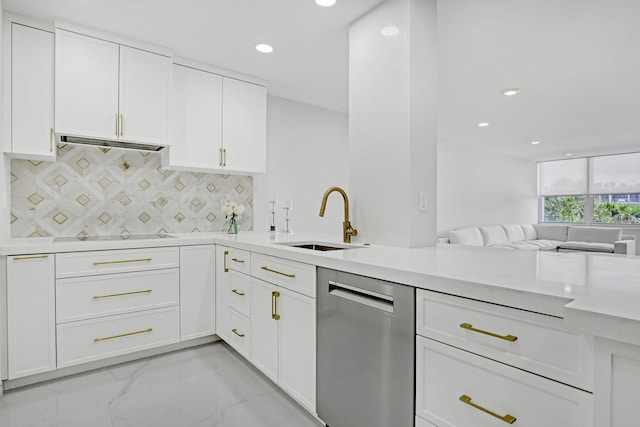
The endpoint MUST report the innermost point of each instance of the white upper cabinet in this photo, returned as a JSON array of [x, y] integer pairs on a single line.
[[218, 123], [108, 91], [31, 76], [196, 131], [244, 126]]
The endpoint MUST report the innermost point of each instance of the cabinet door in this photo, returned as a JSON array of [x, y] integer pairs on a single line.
[[86, 86], [264, 328], [223, 291], [616, 380], [244, 126], [297, 346], [145, 80], [197, 291], [196, 131], [32, 62], [31, 321]]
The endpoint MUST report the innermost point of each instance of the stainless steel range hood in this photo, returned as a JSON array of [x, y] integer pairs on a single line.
[[108, 143]]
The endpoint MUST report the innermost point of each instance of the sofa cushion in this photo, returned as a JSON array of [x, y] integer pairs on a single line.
[[514, 232], [551, 232], [522, 245], [595, 234], [529, 232], [469, 236], [493, 235], [586, 246]]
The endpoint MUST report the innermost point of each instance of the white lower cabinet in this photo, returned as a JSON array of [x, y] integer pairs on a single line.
[[423, 423], [197, 291], [283, 345], [31, 321], [617, 377], [458, 388]]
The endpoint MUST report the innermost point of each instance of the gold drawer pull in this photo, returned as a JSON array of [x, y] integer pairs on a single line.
[[237, 260], [121, 261], [235, 291], [226, 269], [279, 272], [123, 335], [274, 305], [509, 419], [235, 331], [469, 327], [146, 291], [23, 258]]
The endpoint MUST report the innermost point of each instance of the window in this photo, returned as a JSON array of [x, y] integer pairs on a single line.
[[563, 209], [595, 190]]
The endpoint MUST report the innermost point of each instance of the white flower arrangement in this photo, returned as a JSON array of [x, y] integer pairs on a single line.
[[233, 210]]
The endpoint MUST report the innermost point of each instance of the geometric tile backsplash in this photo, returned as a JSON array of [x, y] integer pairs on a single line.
[[109, 191]]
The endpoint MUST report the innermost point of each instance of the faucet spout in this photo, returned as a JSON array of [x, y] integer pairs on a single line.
[[347, 230]]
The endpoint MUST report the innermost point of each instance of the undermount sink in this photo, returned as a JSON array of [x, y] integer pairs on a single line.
[[321, 246]]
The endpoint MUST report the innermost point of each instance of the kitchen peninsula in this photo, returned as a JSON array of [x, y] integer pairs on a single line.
[[577, 294]]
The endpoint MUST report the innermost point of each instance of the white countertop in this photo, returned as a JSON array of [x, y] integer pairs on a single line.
[[594, 293]]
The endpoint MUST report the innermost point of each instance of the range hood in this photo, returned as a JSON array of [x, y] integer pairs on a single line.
[[108, 143]]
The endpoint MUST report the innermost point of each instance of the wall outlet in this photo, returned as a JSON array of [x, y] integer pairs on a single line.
[[422, 204]]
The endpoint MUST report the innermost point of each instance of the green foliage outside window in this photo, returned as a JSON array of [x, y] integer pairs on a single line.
[[563, 209], [616, 213]]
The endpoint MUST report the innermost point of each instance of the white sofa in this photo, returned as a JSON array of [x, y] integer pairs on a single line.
[[546, 237]]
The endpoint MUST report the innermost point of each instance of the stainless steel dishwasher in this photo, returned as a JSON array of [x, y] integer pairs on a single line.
[[366, 351]]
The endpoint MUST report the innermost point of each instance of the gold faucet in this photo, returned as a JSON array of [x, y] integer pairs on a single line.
[[347, 230]]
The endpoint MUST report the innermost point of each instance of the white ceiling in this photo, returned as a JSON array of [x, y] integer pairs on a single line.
[[577, 62]]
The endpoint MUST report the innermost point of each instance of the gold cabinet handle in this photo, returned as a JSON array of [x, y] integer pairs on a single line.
[[117, 124], [121, 261], [235, 331], [239, 261], [123, 335], [291, 276], [51, 140], [146, 291], [23, 258], [220, 164], [226, 269], [224, 157], [235, 291], [469, 327], [121, 124], [274, 305], [509, 419]]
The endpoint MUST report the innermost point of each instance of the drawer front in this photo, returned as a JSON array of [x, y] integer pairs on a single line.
[[237, 260], [82, 298], [534, 342], [239, 290], [89, 263], [450, 381], [292, 275], [239, 328], [94, 339]]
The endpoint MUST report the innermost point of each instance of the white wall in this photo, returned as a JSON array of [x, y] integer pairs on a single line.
[[4, 160], [480, 187], [307, 152]]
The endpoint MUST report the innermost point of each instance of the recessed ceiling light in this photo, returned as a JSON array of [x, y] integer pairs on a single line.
[[325, 3], [264, 48], [568, 155], [483, 124], [535, 142], [511, 92], [390, 31]]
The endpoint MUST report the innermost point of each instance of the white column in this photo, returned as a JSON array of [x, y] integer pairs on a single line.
[[393, 123]]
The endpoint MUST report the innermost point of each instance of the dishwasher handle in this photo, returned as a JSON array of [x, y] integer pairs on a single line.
[[362, 296]]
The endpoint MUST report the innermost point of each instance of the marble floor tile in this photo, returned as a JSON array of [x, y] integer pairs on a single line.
[[205, 386]]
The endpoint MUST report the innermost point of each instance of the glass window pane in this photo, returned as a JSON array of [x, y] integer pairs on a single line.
[[616, 209], [563, 209], [562, 177], [615, 174]]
